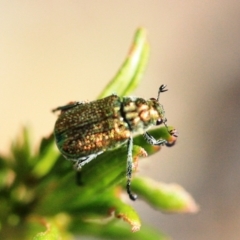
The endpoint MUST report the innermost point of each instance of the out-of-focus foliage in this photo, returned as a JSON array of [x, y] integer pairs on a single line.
[[39, 197]]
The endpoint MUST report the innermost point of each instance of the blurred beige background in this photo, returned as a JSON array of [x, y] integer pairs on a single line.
[[52, 52]]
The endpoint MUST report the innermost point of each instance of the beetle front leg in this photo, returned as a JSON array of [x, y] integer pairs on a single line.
[[151, 140], [131, 195]]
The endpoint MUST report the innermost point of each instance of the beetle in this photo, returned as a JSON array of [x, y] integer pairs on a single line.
[[84, 130]]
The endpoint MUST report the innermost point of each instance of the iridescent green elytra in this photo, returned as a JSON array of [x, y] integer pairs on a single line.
[[85, 130]]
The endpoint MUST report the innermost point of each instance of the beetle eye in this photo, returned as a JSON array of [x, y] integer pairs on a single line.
[[159, 121]]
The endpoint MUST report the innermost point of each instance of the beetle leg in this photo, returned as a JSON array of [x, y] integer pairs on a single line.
[[79, 178], [78, 163], [174, 132], [151, 140], [170, 144], [67, 107], [131, 195]]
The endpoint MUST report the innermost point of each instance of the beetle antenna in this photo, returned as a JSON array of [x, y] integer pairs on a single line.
[[161, 90], [166, 126]]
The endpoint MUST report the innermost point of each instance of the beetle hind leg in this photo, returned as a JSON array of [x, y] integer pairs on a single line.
[[131, 195], [79, 180]]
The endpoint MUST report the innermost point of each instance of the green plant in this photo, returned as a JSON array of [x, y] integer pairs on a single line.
[[39, 197]]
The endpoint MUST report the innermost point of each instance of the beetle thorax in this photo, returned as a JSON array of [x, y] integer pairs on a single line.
[[140, 114]]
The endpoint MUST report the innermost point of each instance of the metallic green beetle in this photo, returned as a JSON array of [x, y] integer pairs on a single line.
[[84, 130]]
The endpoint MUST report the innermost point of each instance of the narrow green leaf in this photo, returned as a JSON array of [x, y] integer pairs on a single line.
[[117, 230], [128, 214], [170, 198], [51, 233], [21, 149], [130, 73], [46, 160]]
